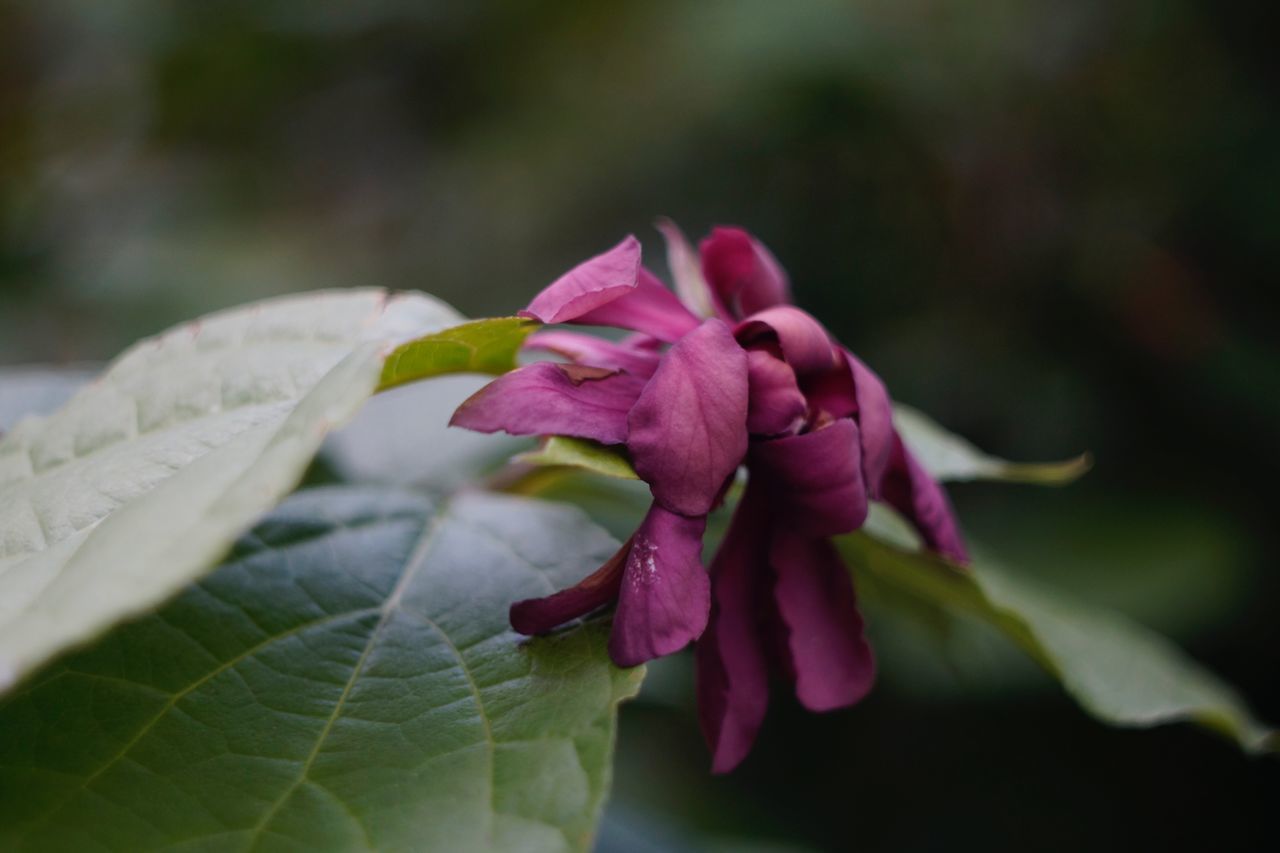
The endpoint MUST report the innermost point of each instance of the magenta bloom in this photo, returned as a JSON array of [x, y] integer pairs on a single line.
[[725, 374]]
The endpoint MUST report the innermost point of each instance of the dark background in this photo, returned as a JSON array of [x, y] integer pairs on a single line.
[[1049, 224]]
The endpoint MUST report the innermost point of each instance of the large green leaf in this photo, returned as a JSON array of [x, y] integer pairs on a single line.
[[143, 479], [1119, 671], [947, 456], [346, 681]]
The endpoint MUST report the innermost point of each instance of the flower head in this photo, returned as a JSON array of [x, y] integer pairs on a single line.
[[724, 374]]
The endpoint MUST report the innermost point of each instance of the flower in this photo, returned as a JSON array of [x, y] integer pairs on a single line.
[[722, 373]]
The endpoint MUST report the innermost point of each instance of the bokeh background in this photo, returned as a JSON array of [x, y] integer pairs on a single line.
[[1052, 225]]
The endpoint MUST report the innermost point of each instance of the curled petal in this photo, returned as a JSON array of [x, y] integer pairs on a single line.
[[688, 429], [591, 284], [686, 273], [854, 390], [541, 615], [775, 404], [665, 595], [650, 308], [598, 352], [829, 656], [742, 272], [805, 343], [815, 479], [554, 399], [910, 490], [732, 667]]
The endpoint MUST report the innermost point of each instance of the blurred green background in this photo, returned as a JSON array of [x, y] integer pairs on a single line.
[[1049, 224]]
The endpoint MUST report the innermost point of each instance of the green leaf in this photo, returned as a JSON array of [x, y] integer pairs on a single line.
[[949, 457], [345, 681], [560, 450], [1119, 671], [481, 346], [143, 479]]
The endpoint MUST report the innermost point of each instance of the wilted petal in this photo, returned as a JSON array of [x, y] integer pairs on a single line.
[[686, 273], [830, 657], [742, 272], [910, 490], [554, 399], [591, 284], [814, 480], [805, 343], [665, 595], [688, 430], [775, 404], [540, 615], [598, 352], [733, 674]]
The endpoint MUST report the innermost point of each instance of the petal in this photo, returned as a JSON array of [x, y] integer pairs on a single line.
[[733, 673], [686, 273], [742, 272], [649, 308], [553, 399], [805, 343], [853, 389], [591, 284], [541, 615], [598, 352], [688, 430], [665, 595], [775, 404], [814, 480], [910, 490], [830, 657]]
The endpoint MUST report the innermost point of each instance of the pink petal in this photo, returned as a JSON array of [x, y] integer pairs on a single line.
[[688, 430], [541, 615], [665, 595], [775, 404], [805, 343], [554, 399], [814, 480], [830, 657], [853, 389], [733, 674], [598, 352], [591, 284], [742, 272], [686, 273], [649, 308], [910, 490]]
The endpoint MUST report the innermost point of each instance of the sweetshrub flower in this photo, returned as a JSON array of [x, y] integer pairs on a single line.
[[724, 374]]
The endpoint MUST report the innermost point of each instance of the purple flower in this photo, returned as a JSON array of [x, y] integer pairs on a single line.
[[723, 375]]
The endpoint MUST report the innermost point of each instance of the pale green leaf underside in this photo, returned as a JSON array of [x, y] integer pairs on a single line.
[[948, 457], [561, 450], [142, 480], [346, 681], [1119, 671]]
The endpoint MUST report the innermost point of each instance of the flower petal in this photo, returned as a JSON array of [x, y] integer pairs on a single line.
[[805, 343], [554, 399], [775, 404], [686, 273], [595, 282], [595, 351], [853, 389], [814, 479], [649, 308], [665, 595], [733, 672], [541, 615], [688, 430], [742, 272], [830, 657], [910, 490]]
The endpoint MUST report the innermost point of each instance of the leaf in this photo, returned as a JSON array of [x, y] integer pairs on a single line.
[[145, 477], [346, 681], [561, 450], [949, 457], [36, 390], [481, 346], [1119, 671]]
